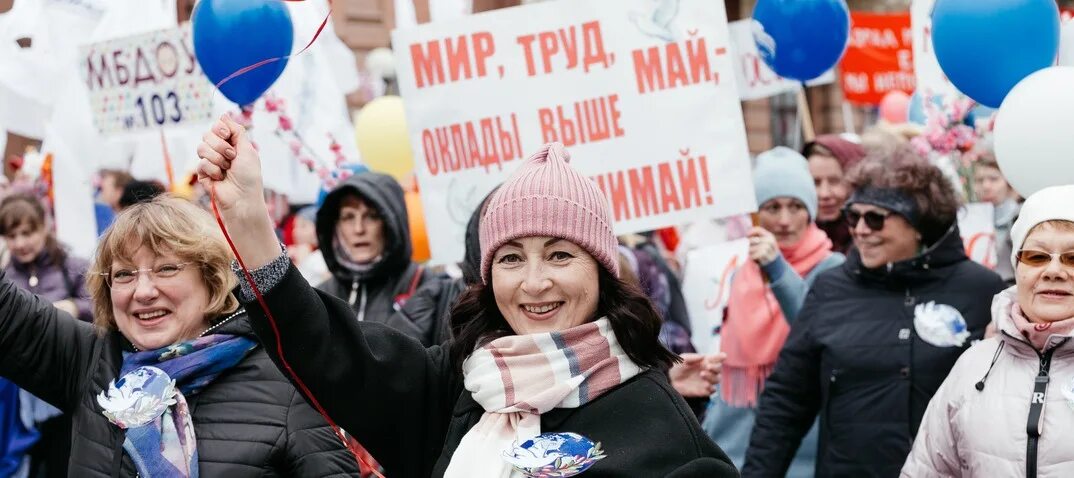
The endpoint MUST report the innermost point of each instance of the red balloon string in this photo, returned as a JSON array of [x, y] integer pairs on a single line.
[[246, 69], [279, 343], [350, 444]]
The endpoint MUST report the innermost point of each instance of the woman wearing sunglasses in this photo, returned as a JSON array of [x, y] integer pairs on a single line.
[[1007, 407], [877, 336]]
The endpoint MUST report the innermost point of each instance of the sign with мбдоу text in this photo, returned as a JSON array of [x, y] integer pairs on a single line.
[[146, 82], [642, 93]]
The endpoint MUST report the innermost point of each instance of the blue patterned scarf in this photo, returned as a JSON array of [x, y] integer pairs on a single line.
[[149, 400]]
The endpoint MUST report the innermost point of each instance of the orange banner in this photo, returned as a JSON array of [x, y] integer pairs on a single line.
[[879, 57]]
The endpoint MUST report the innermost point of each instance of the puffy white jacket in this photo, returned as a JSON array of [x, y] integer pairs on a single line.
[[978, 423]]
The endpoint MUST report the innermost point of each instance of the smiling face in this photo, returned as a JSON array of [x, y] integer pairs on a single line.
[[25, 242], [155, 311], [831, 187], [544, 284], [786, 218], [361, 228], [895, 241], [1046, 293]]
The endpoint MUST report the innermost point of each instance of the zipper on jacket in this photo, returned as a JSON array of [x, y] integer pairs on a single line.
[[1036, 411], [354, 292]]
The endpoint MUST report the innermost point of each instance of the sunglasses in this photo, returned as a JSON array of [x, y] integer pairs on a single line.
[[1034, 258], [874, 220]]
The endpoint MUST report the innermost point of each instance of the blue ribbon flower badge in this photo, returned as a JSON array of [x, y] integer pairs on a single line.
[[138, 397], [554, 455], [940, 325]]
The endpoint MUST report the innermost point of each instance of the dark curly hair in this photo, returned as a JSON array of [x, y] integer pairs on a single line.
[[904, 170], [476, 321]]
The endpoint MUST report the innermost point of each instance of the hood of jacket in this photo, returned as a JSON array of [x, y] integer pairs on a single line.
[[386, 196], [946, 251]]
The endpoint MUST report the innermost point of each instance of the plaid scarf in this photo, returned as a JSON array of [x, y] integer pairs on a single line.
[[519, 377]]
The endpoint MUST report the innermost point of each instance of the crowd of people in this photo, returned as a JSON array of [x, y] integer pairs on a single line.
[[858, 340]]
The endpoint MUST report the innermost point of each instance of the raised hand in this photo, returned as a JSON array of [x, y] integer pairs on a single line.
[[231, 167], [763, 246], [697, 375], [230, 163]]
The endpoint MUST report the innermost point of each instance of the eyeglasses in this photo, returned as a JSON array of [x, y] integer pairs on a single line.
[[1035, 258], [127, 278], [874, 220]]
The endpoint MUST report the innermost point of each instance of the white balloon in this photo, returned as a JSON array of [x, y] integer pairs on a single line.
[[1034, 131], [1066, 44]]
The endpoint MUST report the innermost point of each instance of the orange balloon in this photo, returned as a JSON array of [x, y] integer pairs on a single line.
[[419, 237]]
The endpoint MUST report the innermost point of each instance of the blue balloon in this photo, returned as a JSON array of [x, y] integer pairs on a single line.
[[230, 35], [985, 47], [801, 39]]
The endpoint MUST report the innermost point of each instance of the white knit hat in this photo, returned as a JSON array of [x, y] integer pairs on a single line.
[[1048, 204]]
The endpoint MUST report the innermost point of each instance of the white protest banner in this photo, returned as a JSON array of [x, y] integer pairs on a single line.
[[706, 287], [643, 97], [144, 82], [977, 225], [930, 78], [754, 78]]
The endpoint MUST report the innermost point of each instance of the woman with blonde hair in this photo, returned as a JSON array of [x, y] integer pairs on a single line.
[[169, 380]]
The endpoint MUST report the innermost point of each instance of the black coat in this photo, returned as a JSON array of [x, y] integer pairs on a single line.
[[249, 422], [394, 276], [854, 357], [407, 405]]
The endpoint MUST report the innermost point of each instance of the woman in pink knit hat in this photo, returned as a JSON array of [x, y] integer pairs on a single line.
[[555, 367]]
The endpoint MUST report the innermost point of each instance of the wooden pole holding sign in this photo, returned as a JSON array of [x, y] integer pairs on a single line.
[[807, 118]]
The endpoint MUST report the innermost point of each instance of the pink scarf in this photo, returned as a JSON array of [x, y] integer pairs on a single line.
[[1038, 334], [519, 377], [754, 329]]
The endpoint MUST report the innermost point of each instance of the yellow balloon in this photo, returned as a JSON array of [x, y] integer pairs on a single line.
[[380, 127]]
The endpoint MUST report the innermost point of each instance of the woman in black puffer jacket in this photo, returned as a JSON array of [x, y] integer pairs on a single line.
[[164, 312], [876, 337]]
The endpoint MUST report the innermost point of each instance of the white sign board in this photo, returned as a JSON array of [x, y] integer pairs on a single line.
[[706, 287], [930, 77], [754, 78], [145, 82], [976, 223], [641, 93]]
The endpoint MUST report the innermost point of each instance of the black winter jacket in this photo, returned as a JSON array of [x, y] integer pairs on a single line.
[[250, 422], [373, 293], [854, 357], [406, 403]]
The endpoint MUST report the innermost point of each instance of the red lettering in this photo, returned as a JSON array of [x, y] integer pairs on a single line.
[[483, 49], [618, 195], [458, 58], [669, 192], [428, 68], [428, 145], [548, 127], [688, 184], [549, 47], [643, 191], [698, 58], [527, 46], [167, 56], [649, 75]]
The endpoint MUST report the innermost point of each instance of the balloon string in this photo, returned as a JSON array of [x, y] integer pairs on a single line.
[[246, 69], [279, 342]]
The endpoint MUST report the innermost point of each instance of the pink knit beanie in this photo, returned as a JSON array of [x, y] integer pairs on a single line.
[[547, 197]]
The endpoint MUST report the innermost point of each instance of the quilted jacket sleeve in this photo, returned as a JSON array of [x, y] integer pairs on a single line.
[[42, 349], [312, 447]]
